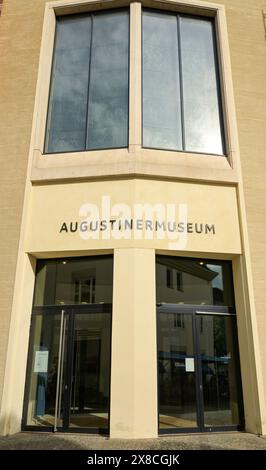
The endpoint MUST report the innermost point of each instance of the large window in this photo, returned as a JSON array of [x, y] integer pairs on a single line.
[[181, 105], [88, 106], [89, 89]]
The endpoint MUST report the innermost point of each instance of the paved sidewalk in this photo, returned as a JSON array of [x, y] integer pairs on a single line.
[[216, 441]]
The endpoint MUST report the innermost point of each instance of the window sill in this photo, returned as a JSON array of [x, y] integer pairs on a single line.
[[139, 161]]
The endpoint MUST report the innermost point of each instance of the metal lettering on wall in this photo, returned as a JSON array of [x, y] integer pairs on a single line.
[[138, 224], [139, 221]]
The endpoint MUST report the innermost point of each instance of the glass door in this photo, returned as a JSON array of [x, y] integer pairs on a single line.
[[220, 372], [178, 400], [45, 392], [68, 375], [199, 383], [90, 377]]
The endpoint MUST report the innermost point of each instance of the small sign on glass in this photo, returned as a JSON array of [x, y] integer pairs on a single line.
[[190, 366], [41, 361]]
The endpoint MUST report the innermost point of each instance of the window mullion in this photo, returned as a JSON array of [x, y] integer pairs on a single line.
[[181, 83], [88, 95], [135, 115]]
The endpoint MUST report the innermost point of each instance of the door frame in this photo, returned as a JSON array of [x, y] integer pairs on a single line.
[[194, 311], [71, 311]]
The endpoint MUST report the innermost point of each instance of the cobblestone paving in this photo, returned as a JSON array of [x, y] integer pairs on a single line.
[[217, 441]]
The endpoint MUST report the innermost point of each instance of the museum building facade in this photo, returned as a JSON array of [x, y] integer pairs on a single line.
[[132, 209]]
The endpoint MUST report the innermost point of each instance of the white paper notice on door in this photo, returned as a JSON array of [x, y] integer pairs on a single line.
[[41, 361], [190, 367]]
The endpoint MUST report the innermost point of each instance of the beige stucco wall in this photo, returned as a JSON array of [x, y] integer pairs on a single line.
[[133, 405], [212, 205], [248, 57], [20, 38]]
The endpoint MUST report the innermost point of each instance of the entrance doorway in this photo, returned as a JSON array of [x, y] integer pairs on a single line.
[[199, 382], [69, 369], [198, 369], [69, 360]]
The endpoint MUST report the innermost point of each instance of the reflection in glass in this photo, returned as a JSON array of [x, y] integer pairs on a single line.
[[108, 94], [219, 370], [161, 88], [200, 89], [41, 397], [176, 361], [91, 371], [180, 88], [88, 106], [194, 281], [66, 126], [74, 281]]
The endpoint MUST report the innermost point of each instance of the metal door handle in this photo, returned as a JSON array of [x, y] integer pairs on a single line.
[[221, 314], [59, 378]]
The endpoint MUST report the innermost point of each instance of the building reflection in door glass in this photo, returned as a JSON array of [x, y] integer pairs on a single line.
[[193, 281], [71, 281], [219, 370], [176, 370], [44, 367], [91, 371]]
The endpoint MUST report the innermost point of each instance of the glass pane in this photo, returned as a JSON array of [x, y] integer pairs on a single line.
[[194, 281], [200, 89], [108, 94], [176, 368], [44, 369], [219, 370], [91, 371], [161, 90], [74, 281], [66, 125]]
